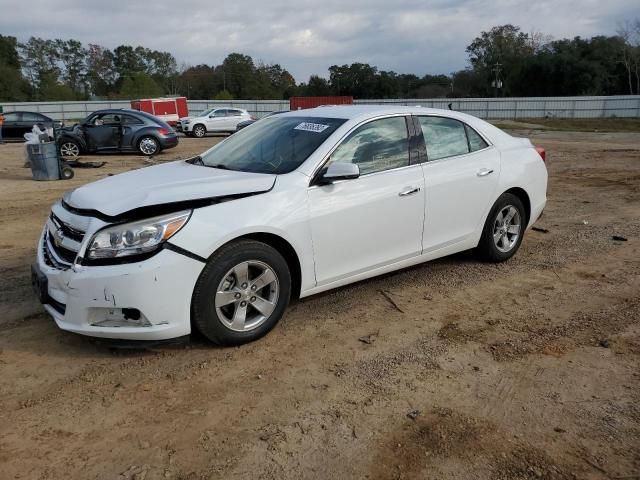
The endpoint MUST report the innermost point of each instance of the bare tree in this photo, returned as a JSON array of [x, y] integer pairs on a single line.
[[629, 32]]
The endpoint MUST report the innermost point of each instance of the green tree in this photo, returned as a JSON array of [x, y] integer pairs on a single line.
[[13, 86], [101, 73], [139, 85]]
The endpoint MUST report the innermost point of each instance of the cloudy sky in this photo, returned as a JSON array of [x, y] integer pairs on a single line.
[[306, 37]]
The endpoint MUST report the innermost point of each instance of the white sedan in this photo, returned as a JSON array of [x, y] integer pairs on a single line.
[[293, 205]]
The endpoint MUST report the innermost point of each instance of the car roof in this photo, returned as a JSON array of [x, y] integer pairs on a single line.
[[360, 113], [26, 111], [356, 111]]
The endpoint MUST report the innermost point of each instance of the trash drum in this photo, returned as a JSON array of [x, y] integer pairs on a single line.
[[44, 161]]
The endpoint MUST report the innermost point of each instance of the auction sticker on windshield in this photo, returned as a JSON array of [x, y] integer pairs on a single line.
[[312, 127]]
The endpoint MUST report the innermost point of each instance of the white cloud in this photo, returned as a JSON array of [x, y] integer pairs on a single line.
[[417, 36]]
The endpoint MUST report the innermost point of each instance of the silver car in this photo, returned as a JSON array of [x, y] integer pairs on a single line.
[[216, 120]]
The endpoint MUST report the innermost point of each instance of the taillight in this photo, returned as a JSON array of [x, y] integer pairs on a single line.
[[253, 118], [164, 131], [542, 154]]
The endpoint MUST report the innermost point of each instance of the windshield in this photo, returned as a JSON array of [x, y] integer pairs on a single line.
[[273, 145], [205, 113]]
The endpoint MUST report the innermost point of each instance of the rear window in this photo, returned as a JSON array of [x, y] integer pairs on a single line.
[[272, 145]]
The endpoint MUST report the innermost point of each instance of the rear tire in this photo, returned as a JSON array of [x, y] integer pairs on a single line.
[[503, 230], [241, 294], [148, 146], [199, 130]]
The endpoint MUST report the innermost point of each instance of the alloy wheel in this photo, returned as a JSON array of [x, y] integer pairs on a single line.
[[69, 149], [506, 228], [148, 146], [247, 295], [199, 131]]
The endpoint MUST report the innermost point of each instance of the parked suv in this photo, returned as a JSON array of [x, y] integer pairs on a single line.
[[117, 130], [218, 120]]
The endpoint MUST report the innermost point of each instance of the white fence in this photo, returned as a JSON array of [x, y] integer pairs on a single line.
[[627, 106]]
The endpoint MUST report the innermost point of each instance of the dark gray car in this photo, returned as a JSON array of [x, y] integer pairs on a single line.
[[117, 130], [16, 124]]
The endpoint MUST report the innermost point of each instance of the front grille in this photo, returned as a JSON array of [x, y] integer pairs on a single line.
[[57, 258], [67, 230], [64, 253]]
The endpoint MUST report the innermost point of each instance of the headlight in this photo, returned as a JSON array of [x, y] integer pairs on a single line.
[[137, 237], [186, 122]]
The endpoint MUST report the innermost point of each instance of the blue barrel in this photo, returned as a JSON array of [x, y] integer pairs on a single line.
[[44, 161]]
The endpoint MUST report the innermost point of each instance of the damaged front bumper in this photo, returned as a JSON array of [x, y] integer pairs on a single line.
[[147, 300]]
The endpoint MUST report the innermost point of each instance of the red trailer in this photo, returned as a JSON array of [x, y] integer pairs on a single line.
[[300, 103], [168, 109]]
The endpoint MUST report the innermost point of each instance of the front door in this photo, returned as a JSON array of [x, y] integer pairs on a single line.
[[376, 219], [103, 132], [461, 177], [217, 120]]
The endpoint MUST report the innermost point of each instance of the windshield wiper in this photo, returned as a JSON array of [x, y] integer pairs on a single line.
[[218, 165], [197, 160]]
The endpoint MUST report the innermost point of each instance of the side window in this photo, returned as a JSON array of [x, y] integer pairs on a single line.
[[32, 117], [107, 119], [10, 117], [220, 113], [376, 146], [445, 137], [233, 113], [129, 120], [476, 142]]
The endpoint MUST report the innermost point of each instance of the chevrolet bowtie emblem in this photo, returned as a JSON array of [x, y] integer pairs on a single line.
[[57, 237]]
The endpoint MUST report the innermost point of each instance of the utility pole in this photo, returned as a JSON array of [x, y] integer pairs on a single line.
[[497, 83]]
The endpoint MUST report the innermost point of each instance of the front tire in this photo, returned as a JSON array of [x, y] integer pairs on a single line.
[[199, 131], [148, 146], [503, 230], [241, 293], [69, 148]]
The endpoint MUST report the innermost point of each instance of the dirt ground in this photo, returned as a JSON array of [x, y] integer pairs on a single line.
[[450, 370]]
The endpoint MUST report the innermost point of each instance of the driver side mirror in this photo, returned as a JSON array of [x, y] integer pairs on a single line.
[[338, 171]]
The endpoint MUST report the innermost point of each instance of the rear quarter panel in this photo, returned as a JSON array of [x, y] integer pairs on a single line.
[[522, 167]]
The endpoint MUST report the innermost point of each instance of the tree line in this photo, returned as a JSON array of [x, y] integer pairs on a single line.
[[504, 61]]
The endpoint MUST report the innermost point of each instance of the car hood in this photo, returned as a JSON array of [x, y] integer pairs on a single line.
[[174, 182]]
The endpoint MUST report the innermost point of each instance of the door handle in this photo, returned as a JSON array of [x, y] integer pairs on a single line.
[[410, 191], [484, 172]]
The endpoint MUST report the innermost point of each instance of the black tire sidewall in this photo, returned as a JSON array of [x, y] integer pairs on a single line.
[[203, 312], [487, 248]]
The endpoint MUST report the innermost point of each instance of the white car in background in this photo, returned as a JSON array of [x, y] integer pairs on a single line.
[[214, 120], [300, 203]]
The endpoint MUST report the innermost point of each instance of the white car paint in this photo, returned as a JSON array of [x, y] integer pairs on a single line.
[[217, 120], [341, 233]]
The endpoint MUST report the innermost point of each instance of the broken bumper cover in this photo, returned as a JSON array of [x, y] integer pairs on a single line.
[[93, 300]]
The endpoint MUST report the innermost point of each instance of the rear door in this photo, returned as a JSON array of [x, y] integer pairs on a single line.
[[29, 119], [461, 178], [234, 117]]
